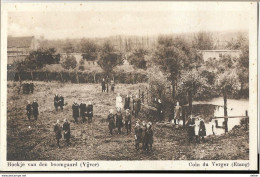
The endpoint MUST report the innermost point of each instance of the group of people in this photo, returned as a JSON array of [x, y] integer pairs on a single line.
[[65, 127], [116, 121], [28, 88], [82, 110], [143, 135], [105, 85], [136, 104], [32, 109], [196, 129], [58, 102]]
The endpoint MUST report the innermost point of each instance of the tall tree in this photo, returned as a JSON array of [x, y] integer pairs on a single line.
[[203, 41], [109, 57], [41, 57], [89, 50], [137, 58], [174, 55]]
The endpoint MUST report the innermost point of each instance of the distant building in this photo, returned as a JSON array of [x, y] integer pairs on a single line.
[[206, 54], [18, 48]]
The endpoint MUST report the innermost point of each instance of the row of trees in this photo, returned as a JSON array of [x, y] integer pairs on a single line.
[[191, 77]]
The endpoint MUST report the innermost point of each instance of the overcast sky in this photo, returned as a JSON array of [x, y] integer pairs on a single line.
[[106, 22]]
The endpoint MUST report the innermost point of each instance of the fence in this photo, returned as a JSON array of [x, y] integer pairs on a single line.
[[76, 77]]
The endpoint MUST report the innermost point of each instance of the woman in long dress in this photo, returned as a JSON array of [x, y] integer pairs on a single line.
[[197, 129], [119, 102]]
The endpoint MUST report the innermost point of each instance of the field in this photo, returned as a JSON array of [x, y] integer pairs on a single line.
[[93, 141]]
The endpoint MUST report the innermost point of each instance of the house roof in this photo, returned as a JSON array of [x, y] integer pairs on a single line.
[[19, 41]]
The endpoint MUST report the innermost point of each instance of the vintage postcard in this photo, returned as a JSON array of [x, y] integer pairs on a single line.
[[128, 86]]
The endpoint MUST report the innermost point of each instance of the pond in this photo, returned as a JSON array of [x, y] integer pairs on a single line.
[[215, 108]]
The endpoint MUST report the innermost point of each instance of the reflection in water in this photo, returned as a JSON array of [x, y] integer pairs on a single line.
[[215, 108]]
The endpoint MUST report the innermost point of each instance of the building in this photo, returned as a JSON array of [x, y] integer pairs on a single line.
[[206, 54], [18, 48]]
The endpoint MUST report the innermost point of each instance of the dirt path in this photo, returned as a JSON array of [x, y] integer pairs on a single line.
[[92, 141]]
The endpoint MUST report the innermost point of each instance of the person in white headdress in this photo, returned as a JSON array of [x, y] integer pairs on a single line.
[[119, 102]]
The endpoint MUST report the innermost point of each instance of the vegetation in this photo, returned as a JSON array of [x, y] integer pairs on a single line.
[[109, 58]]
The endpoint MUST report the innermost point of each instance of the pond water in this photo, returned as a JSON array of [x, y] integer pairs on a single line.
[[215, 108]]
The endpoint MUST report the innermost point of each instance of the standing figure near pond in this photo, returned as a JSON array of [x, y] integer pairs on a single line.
[[190, 128], [202, 130], [197, 129], [178, 113]]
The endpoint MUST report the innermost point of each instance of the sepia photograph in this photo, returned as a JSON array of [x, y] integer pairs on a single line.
[[129, 81]]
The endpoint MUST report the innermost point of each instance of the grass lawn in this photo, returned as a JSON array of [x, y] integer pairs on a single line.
[[93, 141]]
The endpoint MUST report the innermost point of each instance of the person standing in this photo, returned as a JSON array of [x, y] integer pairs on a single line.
[[178, 113], [196, 129], [66, 129], [119, 121], [111, 121], [119, 102], [138, 135], [29, 110], [56, 102], [128, 121], [61, 102], [83, 109], [75, 111], [149, 132], [190, 125], [57, 130], [127, 102], [112, 85], [202, 130], [35, 107], [89, 111], [103, 85]]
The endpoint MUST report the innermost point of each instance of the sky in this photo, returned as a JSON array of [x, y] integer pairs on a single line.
[[105, 21]]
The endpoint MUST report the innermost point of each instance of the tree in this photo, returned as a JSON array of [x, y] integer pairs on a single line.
[[68, 48], [109, 58], [39, 58], [174, 55], [69, 62], [137, 58], [89, 50], [192, 83], [203, 41]]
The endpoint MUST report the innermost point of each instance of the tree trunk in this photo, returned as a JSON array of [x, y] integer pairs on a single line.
[[225, 102], [20, 81], [190, 101], [61, 77], [173, 89], [32, 76], [77, 77], [225, 109]]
